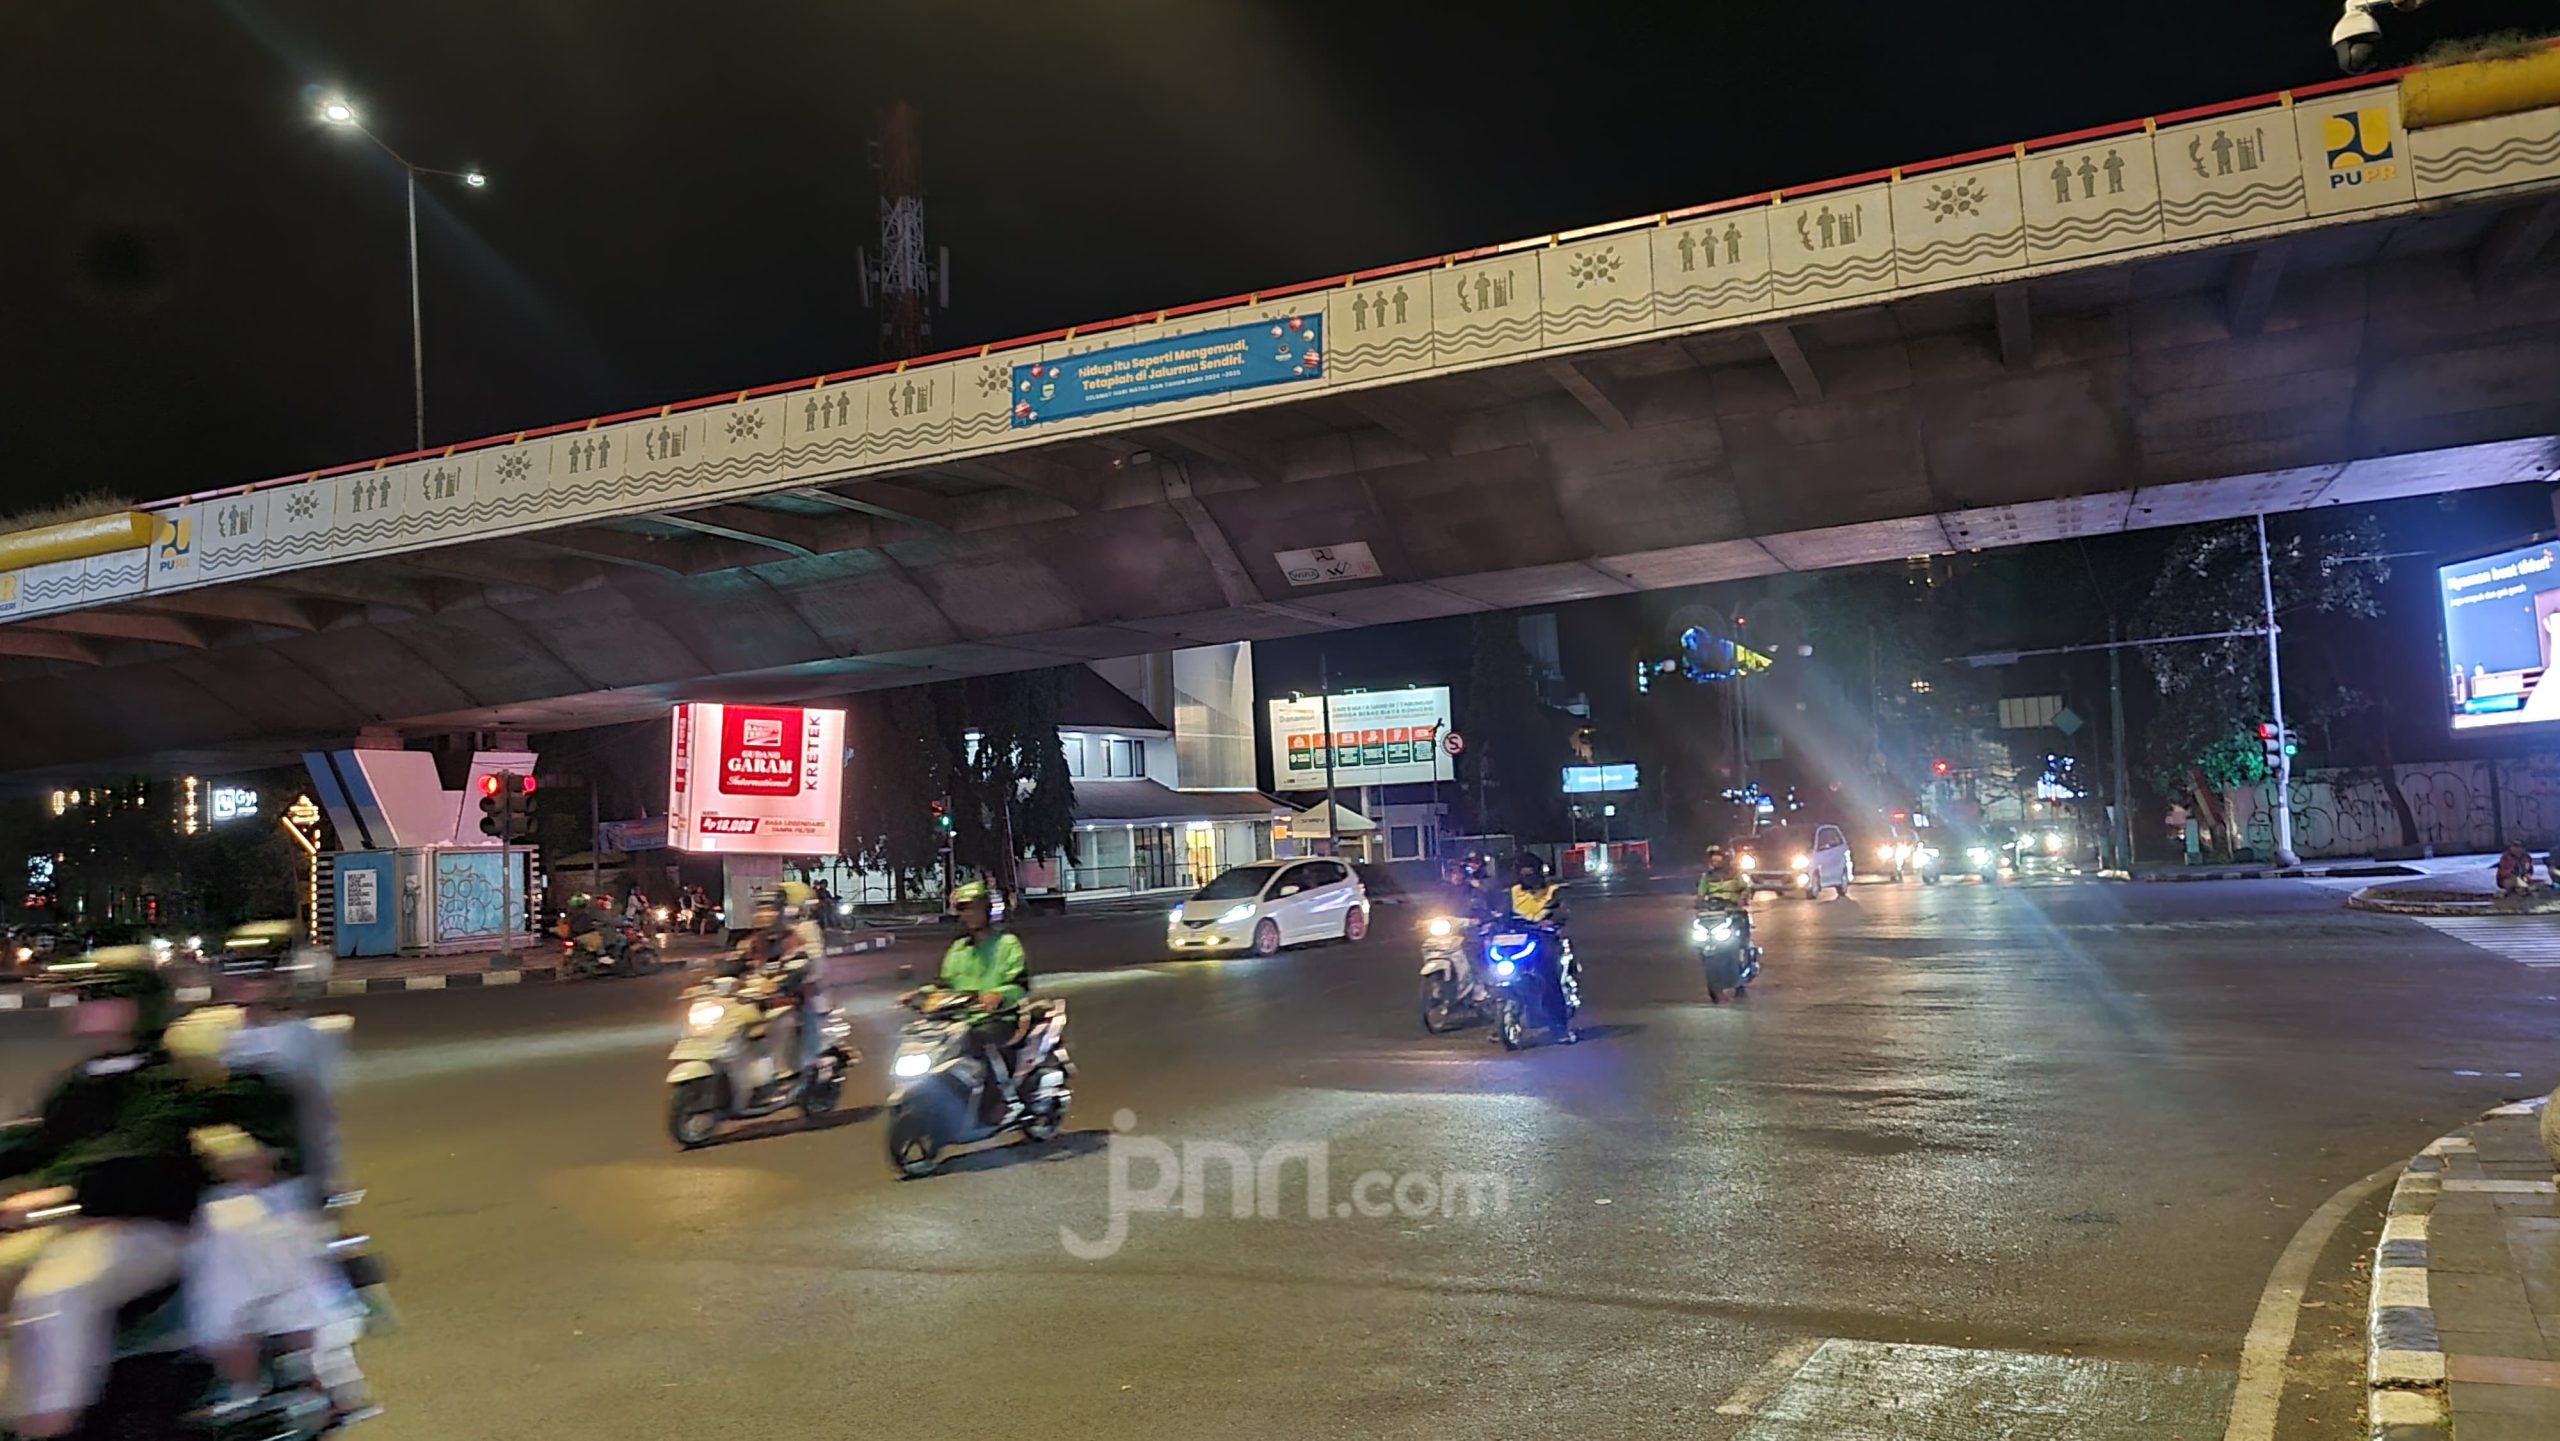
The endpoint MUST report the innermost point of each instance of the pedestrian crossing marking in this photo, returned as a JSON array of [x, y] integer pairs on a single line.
[[2526, 940]]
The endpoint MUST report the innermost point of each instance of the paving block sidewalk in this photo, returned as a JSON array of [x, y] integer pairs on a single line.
[[2465, 1330]]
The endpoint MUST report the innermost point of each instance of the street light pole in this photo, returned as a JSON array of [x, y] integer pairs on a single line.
[[417, 322], [343, 115]]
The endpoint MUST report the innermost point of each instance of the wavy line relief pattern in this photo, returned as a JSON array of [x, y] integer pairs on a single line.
[[1368, 354], [2233, 204], [1737, 290], [1632, 309], [1491, 334], [73, 585], [595, 494], [1941, 254], [2089, 229], [2490, 161], [1834, 275]]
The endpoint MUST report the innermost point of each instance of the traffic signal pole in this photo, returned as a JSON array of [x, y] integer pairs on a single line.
[[2282, 803]]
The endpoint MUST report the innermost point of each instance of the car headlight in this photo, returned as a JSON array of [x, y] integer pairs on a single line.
[[2053, 841], [1173, 917], [1440, 926], [1979, 856], [703, 1015], [26, 953], [1237, 913], [1747, 861], [1504, 969], [1804, 862], [1885, 855], [911, 1065]]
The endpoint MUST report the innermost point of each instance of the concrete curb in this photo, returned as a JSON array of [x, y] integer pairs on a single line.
[[39, 998], [2405, 1397], [2267, 873], [2373, 898]]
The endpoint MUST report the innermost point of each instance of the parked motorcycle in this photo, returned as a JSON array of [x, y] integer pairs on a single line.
[[1536, 985], [1453, 992], [944, 1092], [1720, 932], [738, 1059], [609, 950]]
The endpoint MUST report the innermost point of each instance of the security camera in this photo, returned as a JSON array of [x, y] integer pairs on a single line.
[[2357, 37]]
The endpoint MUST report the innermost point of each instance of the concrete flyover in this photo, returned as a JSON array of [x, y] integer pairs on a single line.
[[2286, 302]]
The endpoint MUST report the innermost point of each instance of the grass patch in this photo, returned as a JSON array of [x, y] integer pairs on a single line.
[[87, 505], [2497, 45]]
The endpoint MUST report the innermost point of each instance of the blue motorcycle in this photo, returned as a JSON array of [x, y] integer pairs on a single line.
[[1721, 933], [1535, 984]]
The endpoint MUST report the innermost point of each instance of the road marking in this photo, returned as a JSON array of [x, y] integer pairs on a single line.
[[1769, 1380], [2270, 1341], [2526, 940]]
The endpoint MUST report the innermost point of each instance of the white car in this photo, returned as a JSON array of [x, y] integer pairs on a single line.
[[1775, 861], [1269, 904]]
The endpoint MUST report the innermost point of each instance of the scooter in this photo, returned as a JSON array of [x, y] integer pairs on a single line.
[[1719, 931], [946, 1092], [156, 1387], [1537, 987], [1453, 992], [733, 1063]]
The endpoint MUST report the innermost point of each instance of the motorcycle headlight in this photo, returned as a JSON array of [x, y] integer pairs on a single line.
[[912, 1065], [661, 914], [1440, 926], [1504, 969], [2053, 841], [1722, 932], [703, 1015], [1697, 930], [1236, 913], [1979, 856]]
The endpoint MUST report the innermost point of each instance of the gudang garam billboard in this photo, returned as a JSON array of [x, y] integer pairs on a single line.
[[1379, 738], [2501, 628], [756, 780]]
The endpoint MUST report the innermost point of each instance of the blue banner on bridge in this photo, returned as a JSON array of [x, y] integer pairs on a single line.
[[1179, 367]]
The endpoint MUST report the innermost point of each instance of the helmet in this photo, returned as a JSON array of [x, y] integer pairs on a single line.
[[578, 901], [971, 893], [1530, 866], [129, 973]]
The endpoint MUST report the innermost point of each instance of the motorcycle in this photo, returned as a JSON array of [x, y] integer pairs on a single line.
[[945, 1093], [157, 1389], [731, 1062], [610, 949], [1719, 934], [1453, 992], [1537, 988]]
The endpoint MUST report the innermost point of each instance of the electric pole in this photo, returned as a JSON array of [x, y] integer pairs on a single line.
[[2282, 803]]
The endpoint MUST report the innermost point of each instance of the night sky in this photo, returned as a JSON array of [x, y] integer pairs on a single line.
[[213, 286]]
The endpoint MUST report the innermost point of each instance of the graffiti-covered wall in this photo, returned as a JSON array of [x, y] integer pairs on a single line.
[[2458, 806]]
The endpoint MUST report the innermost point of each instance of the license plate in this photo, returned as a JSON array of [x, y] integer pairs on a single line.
[[1513, 938]]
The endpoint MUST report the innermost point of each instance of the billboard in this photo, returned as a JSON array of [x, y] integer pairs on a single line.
[[756, 780], [1380, 738], [2501, 627], [1173, 367]]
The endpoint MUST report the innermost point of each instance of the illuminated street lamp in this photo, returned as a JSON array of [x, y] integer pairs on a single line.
[[339, 113]]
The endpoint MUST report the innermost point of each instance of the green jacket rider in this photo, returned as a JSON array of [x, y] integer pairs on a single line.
[[984, 960]]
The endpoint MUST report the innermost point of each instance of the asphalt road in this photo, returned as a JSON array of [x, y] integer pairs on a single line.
[[2070, 1122]]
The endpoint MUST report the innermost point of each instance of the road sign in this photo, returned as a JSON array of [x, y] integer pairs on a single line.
[[1454, 743], [2067, 721]]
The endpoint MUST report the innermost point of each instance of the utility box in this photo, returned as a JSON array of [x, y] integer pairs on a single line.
[[431, 899]]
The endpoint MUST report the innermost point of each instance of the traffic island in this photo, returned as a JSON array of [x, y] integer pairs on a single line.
[[2463, 1331], [2454, 893]]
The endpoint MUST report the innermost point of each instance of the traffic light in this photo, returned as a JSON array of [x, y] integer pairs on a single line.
[[493, 806], [506, 806], [942, 815], [2277, 742], [1939, 768]]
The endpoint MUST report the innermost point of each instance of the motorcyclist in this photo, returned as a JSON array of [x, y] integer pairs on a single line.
[[989, 964], [779, 950], [1476, 890], [116, 1137], [1723, 884], [1535, 896]]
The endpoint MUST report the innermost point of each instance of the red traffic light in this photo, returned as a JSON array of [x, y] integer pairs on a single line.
[[527, 784], [2266, 730], [489, 784], [1939, 767]]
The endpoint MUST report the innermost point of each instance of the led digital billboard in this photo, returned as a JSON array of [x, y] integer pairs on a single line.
[[2501, 627]]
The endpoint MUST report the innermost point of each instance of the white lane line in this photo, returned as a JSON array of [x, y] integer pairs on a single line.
[[1770, 1379], [2254, 1402], [2526, 940]]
